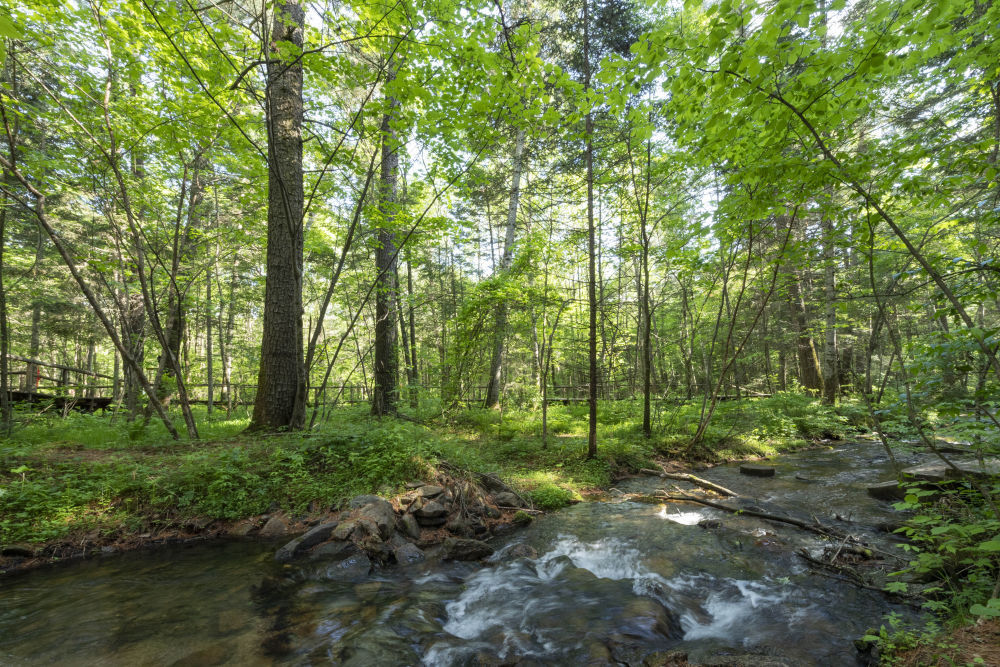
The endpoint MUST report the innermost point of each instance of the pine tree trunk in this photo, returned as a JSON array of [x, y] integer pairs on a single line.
[[280, 400]]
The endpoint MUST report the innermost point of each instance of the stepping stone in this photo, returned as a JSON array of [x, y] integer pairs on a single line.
[[757, 470]]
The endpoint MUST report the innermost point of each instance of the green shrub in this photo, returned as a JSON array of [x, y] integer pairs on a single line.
[[551, 497]]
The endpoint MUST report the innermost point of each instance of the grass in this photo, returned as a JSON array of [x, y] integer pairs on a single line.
[[84, 473]]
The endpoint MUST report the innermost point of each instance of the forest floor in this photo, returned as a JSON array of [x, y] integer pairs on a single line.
[[88, 485]]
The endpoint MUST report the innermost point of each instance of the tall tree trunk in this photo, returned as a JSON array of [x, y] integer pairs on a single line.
[[386, 371], [209, 378], [591, 250], [831, 357], [810, 375], [413, 367], [280, 401], [495, 385]]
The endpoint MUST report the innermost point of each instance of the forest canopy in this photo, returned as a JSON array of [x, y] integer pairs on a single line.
[[289, 205]]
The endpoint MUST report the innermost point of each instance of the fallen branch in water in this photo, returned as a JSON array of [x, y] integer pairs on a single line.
[[814, 528], [685, 477], [852, 576]]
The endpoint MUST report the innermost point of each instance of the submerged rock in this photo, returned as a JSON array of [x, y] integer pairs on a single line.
[[757, 470], [348, 562]]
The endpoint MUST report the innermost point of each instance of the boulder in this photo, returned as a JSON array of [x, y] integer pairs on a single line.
[[301, 544], [242, 529], [382, 514], [408, 554], [430, 491], [357, 502], [349, 562], [457, 548], [408, 525], [520, 551], [459, 527], [431, 513], [275, 527], [757, 470], [507, 499], [361, 529]]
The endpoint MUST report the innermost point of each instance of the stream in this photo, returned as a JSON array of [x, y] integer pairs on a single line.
[[606, 583]]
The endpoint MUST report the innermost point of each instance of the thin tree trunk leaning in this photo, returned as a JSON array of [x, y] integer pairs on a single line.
[[39, 212], [281, 384], [386, 367], [495, 385]]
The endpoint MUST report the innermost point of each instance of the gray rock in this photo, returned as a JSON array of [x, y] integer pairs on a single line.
[[320, 533], [241, 529], [491, 512], [408, 554], [459, 527], [431, 510], [353, 566], [507, 499], [301, 544], [520, 551], [408, 524], [457, 548], [275, 527], [432, 522], [381, 512], [430, 491], [939, 472], [357, 502], [288, 552], [757, 470], [890, 491]]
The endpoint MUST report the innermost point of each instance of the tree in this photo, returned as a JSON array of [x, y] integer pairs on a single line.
[[281, 381]]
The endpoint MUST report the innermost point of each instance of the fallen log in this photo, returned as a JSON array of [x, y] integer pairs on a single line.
[[697, 481]]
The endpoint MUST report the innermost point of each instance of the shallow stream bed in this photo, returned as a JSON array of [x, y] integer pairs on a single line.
[[613, 582]]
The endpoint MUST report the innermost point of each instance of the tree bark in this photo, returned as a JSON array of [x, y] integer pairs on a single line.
[[495, 385], [386, 371], [591, 251], [831, 357], [280, 400]]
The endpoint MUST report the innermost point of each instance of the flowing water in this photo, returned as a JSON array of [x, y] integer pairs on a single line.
[[613, 582]]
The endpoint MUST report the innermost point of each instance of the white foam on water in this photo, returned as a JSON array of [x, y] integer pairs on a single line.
[[684, 518], [729, 612]]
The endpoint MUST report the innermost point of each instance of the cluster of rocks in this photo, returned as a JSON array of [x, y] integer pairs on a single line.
[[450, 519]]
